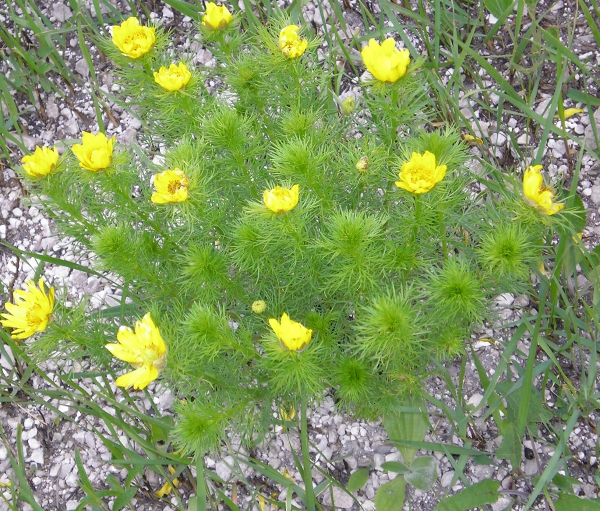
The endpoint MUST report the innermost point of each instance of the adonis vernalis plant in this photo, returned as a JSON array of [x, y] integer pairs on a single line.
[[284, 246]]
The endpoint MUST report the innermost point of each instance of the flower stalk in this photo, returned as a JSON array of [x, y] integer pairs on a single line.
[[306, 462]]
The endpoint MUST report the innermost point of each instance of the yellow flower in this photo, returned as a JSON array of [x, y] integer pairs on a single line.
[[537, 193], [41, 162], [293, 335], [31, 311], [280, 200], [174, 78], [95, 151], [420, 174], [171, 186], [167, 488], [259, 306], [384, 61], [216, 17], [132, 39], [290, 43], [145, 350]]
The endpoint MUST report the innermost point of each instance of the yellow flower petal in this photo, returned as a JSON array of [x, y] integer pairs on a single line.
[[173, 79], [138, 379], [31, 312], [570, 112], [290, 43], [171, 187], [95, 151], [384, 61], [421, 173], [41, 162], [537, 193], [144, 349], [293, 335], [167, 488], [133, 39], [281, 200], [216, 17]]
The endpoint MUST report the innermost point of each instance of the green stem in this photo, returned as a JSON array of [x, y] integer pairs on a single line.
[[306, 463], [443, 235], [393, 118], [417, 217], [242, 163], [200, 485]]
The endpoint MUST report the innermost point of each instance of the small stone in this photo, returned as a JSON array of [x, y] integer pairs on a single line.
[[37, 456], [482, 472], [394, 456], [82, 68], [531, 467], [352, 462], [61, 12], [71, 126], [504, 300], [498, 139], [542, 106], [65, 470], [51, 109], [474, 400], [595, 195], [501, 504], [341, 499], [446, 479], [223, 468]]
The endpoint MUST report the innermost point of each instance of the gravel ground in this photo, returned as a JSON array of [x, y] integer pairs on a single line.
[[342, 444]]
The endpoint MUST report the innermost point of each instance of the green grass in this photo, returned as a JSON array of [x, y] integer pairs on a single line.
[[456, 37]]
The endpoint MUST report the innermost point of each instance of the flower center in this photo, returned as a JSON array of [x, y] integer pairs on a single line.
[[174, 186], [420, 172], [35, 316], [135, 38]]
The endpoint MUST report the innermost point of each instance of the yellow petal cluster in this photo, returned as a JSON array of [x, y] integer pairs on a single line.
[[384, 61], [31, 311], [41, 162], [537, 193], [280, 200], [290, 43], [95, 151], [293, 335], [216, 17], [144, 349], [174, 78], [171, 186], [421, 173], [133, 39]]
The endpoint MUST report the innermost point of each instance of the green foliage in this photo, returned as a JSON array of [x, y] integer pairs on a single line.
[[388, 281], [372, 270], [478, 495]]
